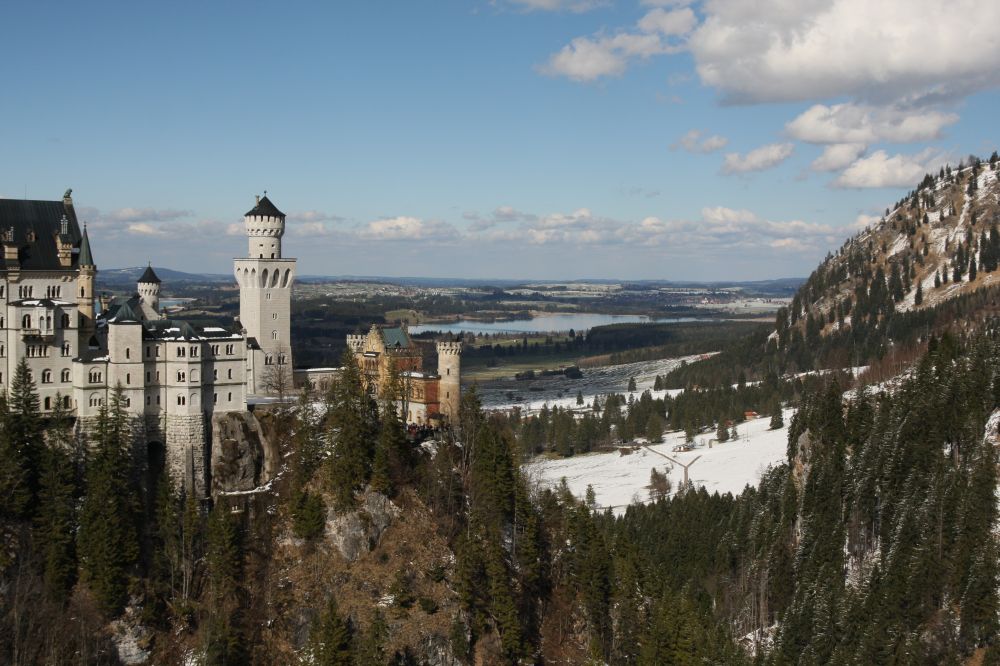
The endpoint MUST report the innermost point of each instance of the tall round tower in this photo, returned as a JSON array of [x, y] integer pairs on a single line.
[[265, 279], [450, 371], [149, 289], [265, 226]]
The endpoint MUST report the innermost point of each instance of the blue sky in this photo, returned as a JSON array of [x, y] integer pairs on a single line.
[[656, 139]]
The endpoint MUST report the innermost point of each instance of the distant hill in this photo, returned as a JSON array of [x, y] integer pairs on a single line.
[[123, 276]]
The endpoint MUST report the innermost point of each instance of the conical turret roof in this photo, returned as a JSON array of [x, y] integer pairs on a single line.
[[265, 208], [149, 276], [86, 257]]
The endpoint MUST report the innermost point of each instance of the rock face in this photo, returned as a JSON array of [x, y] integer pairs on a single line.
[[238, 450], [357, 532], [130, 637]]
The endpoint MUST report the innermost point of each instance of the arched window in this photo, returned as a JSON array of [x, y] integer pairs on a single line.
[[64, 375], [26, 321], [128, 377], [66, 401], [128, 353], [194, 375], [229, 398], [63, 321], [180, 400], [48, 403], [46, 378], [274, 335]]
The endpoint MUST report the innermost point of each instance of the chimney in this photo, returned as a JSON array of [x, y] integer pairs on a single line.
[[257, 197]]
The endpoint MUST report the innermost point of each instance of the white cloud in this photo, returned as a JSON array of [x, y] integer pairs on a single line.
[[146, 215], [144, 229], [775, 50], [757, 159], [586, 59], [881, 170], [836, 156], [693, 142], [676, 22], [575, 6], [860, 123], [407, 228]]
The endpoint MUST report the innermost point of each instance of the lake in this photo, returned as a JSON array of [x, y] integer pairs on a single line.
[[578, 321]]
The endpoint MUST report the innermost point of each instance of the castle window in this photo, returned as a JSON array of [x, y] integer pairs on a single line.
[[64, 321], [128, 402], [128, 377], [281, 359], [26, 321], [149, 399], [157, 399], [194, 375], [1, 292], [149, 351], [274, 315], [48, 404], [215, 350], [230, 374], [267, 359], [66, 401], [274, 335], [181, 351], [66, 349], [1, 322], [229, 350], [94, 377], [180, 376], [82, 294], [46, 376], [180, 400], [215, 398], [2, 351], [157, 352], [229, 398], [448, 371], [194, 352], [147, 377], [95, 400], [157, 376], [215, 374], [128, 353], [64, 375]]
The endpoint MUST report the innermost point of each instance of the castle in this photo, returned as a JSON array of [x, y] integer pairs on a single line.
[[175, 379], [426, 397]]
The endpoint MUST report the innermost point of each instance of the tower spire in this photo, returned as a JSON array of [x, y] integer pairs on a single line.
[[86, 256]]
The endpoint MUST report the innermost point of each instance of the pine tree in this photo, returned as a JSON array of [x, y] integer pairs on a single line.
[[353, 436], [631, 384], [972, 268], [22, 445], [777, 419], [331, 638], [918, 298], [55, 520], [722, 432], [579, 398], [108, 540]]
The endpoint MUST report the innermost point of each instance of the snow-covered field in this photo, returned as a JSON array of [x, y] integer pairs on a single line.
[[619, 480]]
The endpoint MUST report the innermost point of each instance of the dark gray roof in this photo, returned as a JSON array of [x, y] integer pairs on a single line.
[[40, 221], [149, 276], [86, 256], [265, 208]]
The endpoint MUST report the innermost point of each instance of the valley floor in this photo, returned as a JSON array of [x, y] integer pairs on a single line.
[[619, 480]]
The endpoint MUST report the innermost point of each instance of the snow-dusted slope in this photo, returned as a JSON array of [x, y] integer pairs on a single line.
[[619, 480]]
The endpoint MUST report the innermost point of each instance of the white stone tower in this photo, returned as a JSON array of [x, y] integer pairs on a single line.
[[149, 293], [265, 280], [450, 370]]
